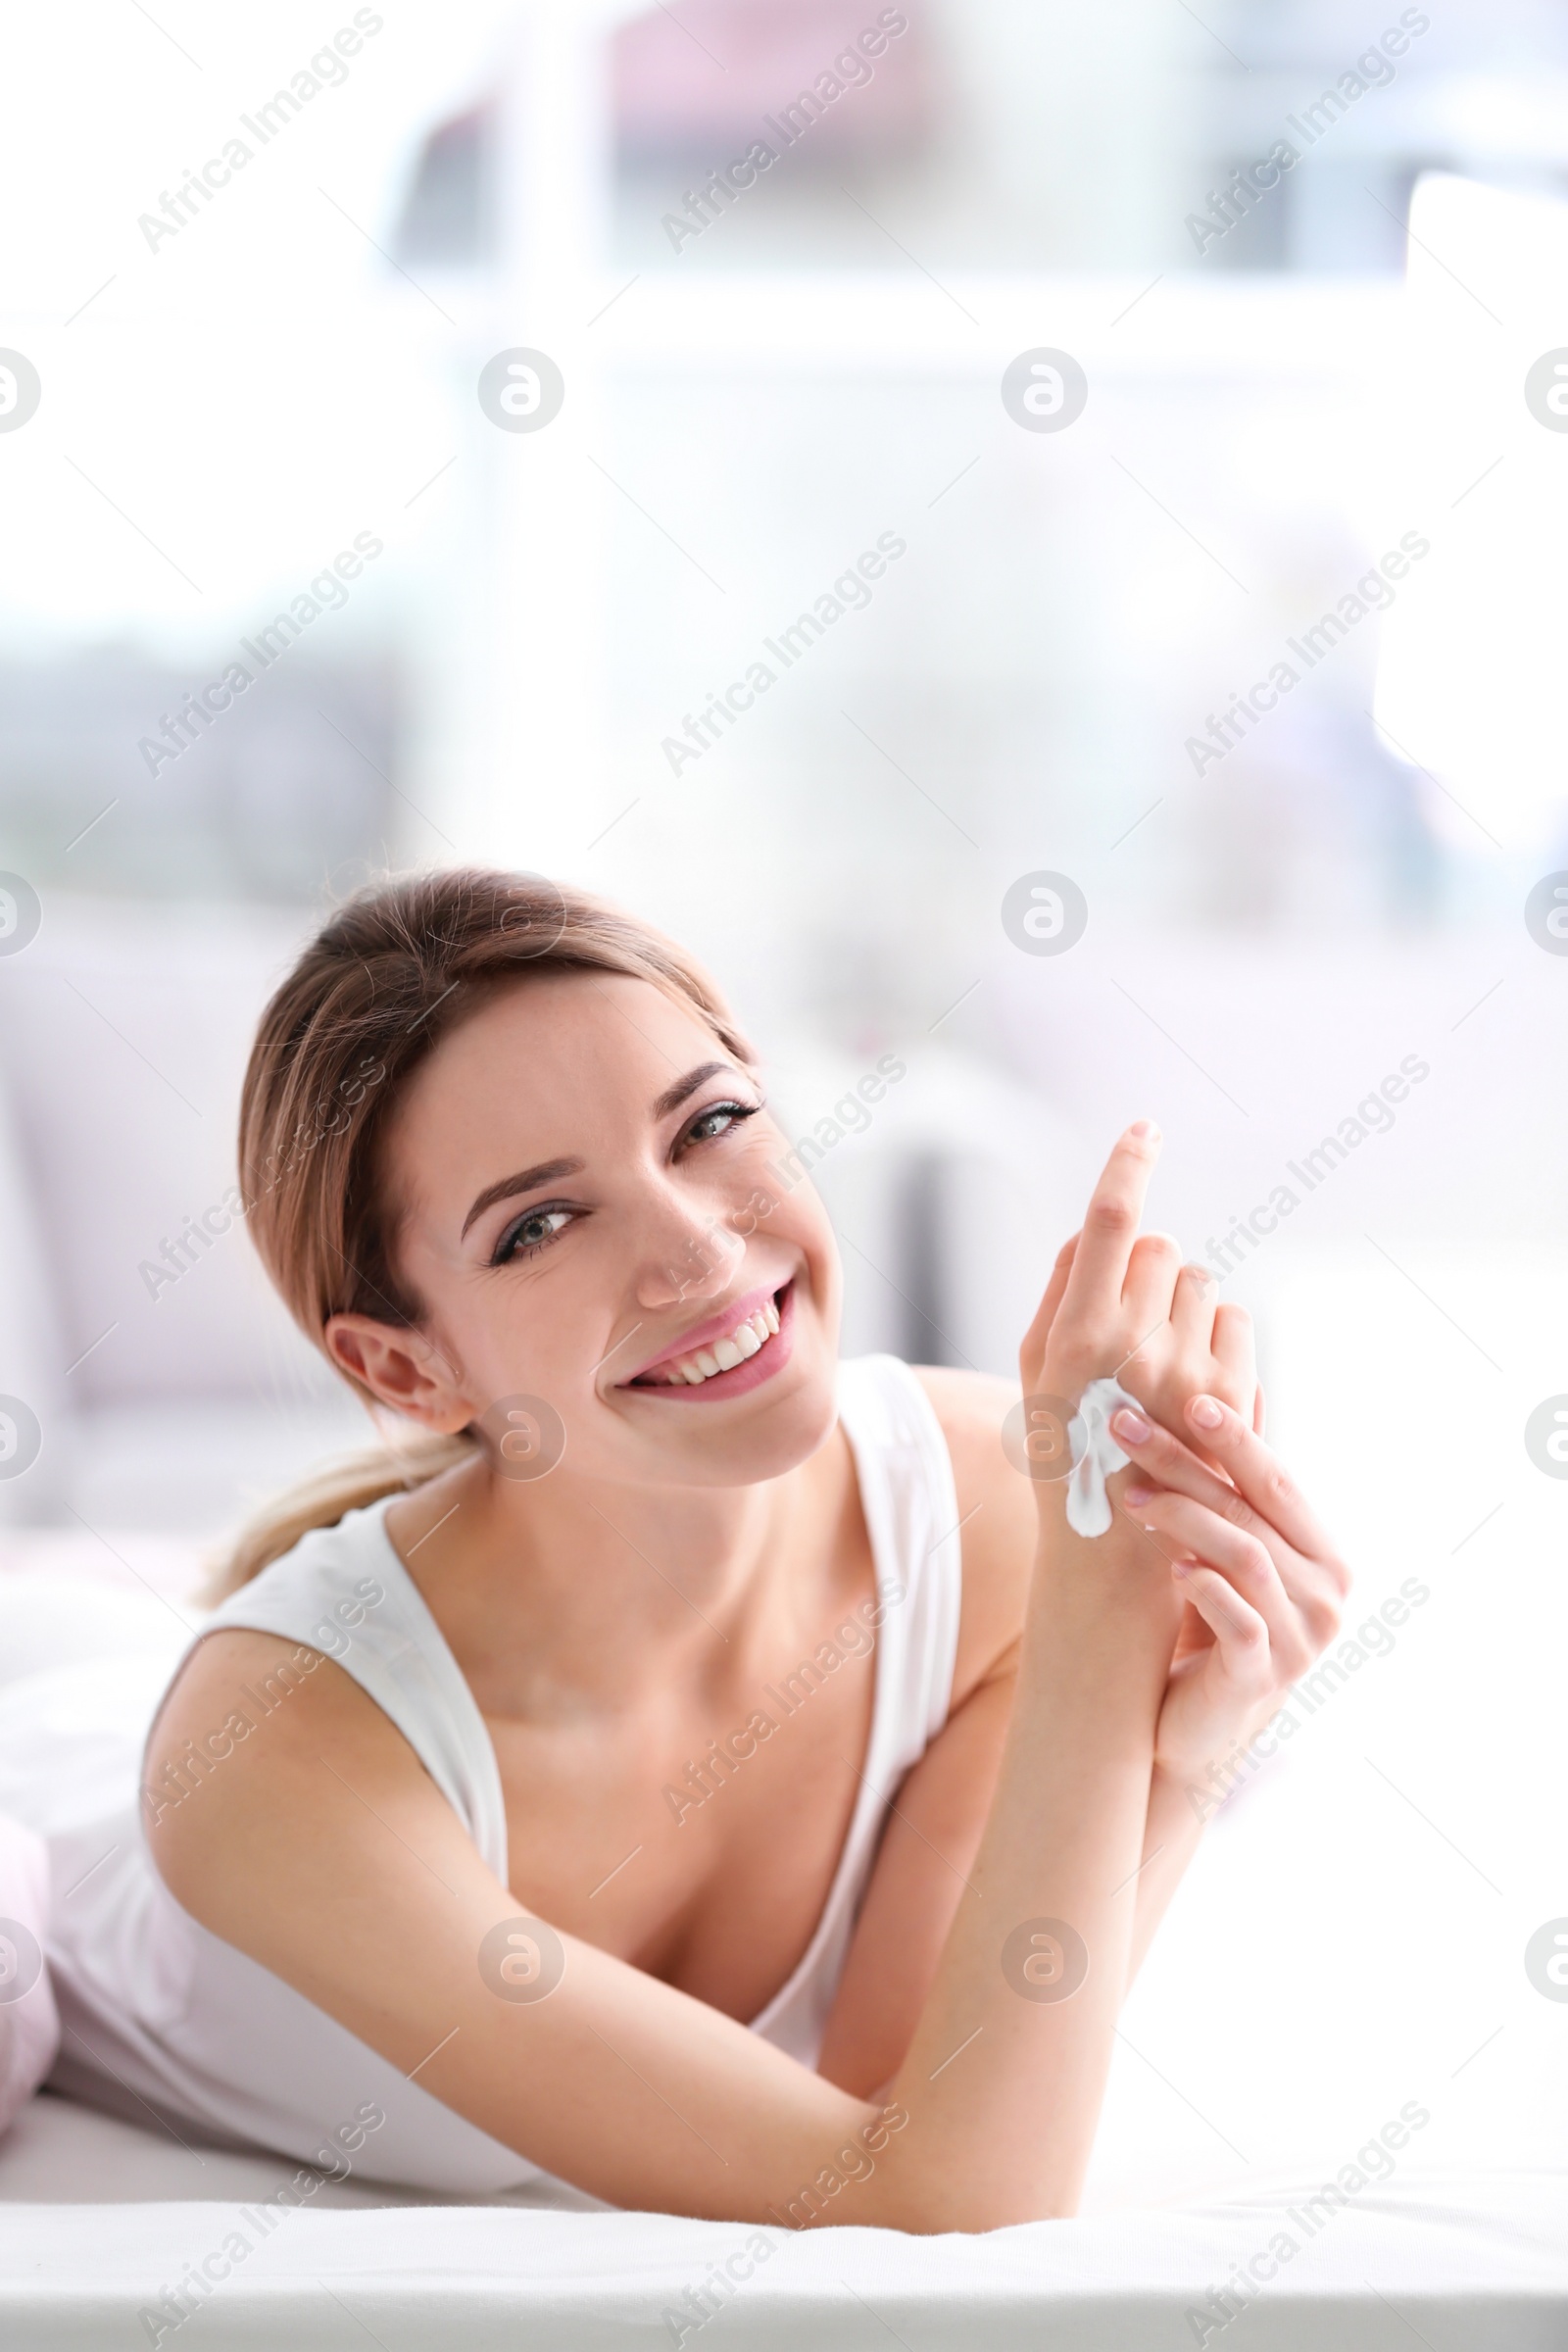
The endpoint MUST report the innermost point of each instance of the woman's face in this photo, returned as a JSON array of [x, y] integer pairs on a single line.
[[582, 1199]]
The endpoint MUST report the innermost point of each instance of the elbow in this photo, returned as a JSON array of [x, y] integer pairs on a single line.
[[945, 2206]]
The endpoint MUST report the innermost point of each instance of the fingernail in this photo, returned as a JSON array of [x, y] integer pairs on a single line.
[[1205, 1412], [1145, 1130], [1137, 1494], [1131, 1426]]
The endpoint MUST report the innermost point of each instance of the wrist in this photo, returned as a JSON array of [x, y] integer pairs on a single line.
[[1208, 1771], [1094, 1626], [1124, 1567]]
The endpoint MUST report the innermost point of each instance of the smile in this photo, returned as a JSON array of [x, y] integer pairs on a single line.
[[733, 1353]]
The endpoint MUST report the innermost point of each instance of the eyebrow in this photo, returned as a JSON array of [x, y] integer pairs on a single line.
[[526, 1180], [549, 1172], [674, 1095]]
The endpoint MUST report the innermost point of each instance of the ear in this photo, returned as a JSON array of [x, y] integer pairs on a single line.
[[402, 1369]]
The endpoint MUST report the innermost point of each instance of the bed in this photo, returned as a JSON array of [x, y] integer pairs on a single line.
[[98, 2220]]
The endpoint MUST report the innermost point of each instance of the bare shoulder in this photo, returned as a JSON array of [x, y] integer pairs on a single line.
[[245, 1712], [997, 1507]]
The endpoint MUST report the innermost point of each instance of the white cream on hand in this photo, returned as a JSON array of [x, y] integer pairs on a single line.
[[1094, 1455]]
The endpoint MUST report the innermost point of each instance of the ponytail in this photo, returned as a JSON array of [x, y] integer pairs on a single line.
[[352, 1482]]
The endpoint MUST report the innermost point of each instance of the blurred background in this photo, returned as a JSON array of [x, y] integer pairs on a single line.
[[413, 423]]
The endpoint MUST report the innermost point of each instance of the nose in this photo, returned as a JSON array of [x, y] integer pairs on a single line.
[[691, 1256]]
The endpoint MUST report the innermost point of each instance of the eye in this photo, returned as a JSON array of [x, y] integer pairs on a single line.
[[530, 1233], [720, 1118]]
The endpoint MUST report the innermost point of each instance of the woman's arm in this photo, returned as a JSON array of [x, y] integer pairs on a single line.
[[324, 1849], [1209, 1711]]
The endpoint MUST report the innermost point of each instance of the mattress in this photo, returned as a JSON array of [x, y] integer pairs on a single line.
[[99, 2222]]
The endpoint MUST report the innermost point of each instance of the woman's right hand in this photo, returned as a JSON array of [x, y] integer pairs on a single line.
[[1265, 1583]]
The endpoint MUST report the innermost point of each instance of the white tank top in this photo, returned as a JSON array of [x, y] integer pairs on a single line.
[[159, 2014]]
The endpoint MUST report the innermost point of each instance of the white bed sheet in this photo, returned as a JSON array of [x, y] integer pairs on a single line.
[[1458, 2264], [98, 2219]]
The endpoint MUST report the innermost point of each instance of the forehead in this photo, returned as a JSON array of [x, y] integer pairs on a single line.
[[550, 1063]]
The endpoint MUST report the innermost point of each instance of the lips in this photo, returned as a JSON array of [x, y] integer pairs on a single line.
[[733, 1352]]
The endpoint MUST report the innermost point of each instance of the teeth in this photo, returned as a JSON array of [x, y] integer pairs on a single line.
[[746, 1339]]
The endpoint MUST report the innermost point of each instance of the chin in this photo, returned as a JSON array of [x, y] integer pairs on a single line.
[[786, 1435]]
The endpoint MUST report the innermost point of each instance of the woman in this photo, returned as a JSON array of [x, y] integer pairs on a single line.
[[706, 1773]]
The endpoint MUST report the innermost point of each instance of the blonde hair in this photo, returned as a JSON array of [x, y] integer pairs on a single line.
[[394, 971]]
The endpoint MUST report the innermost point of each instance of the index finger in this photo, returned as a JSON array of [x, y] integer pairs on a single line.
[[1260, 1487], [1111, 1225]]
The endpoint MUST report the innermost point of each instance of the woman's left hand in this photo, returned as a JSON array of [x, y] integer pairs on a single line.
[[1263, 1582]]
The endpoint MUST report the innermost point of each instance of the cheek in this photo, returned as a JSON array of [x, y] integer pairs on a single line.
[[804, 1224], [502, 1334], [798, 1217]]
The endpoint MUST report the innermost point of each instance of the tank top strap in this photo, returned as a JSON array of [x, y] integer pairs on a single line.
[[911, 1515], [344, 1591], [910, 1507]]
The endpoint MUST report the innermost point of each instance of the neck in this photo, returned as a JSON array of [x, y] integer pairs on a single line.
[[610, 1585]]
